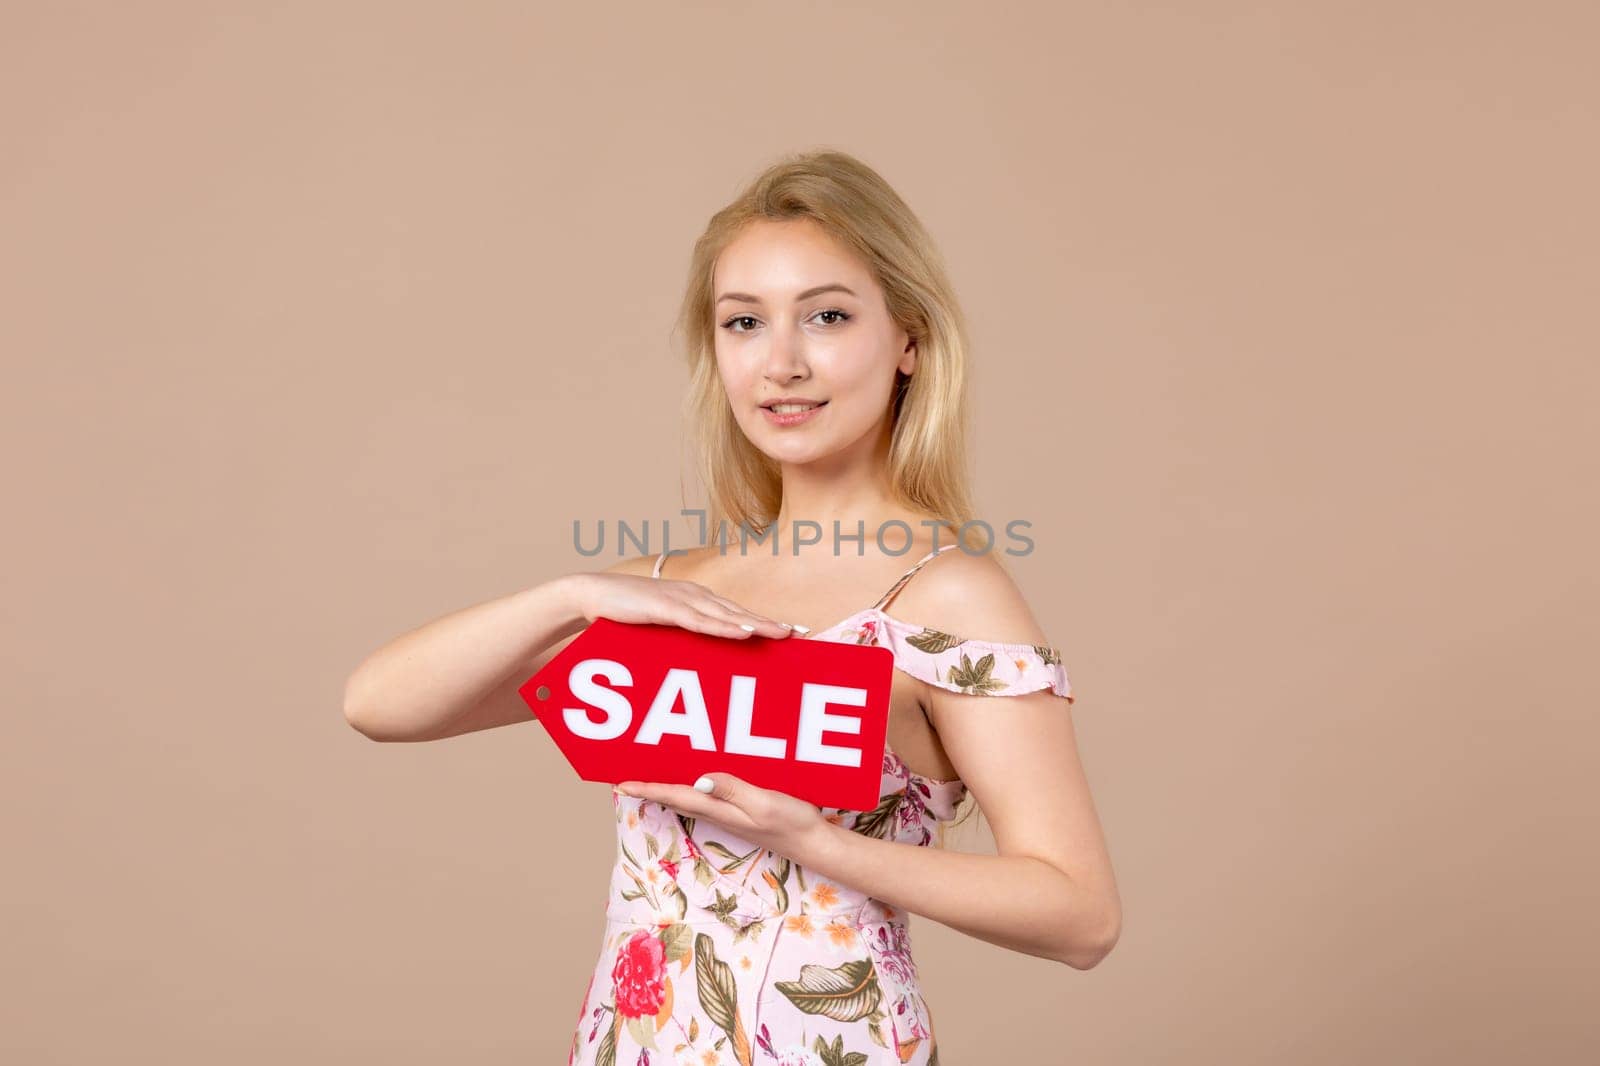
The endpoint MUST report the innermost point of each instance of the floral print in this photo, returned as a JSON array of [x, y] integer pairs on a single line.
[[637, 976], [976, 667], [719, 952]]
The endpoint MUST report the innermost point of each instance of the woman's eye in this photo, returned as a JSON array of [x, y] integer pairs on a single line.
[[839, 316]]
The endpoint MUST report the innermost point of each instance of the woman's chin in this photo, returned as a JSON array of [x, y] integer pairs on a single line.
[[790, 450]]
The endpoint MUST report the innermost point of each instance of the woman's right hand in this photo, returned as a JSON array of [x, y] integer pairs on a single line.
[[670, 602]]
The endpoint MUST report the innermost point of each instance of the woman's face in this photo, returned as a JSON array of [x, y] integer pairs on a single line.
[[799, 317]]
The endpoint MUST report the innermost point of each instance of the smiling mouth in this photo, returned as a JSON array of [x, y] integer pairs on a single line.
[[792, 408]]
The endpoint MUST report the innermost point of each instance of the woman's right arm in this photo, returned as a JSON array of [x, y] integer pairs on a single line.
[[462, 672]]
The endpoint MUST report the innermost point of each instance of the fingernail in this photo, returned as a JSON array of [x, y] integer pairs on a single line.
[[747, 627], [786, 625], [620, 791], [704, 784], [802, 629]]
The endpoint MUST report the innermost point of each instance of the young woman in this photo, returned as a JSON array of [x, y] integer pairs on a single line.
[[828, 380]]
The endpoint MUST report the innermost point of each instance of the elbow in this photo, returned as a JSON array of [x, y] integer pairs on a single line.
[[354, 716], [371, 726], [1085, 952], [358, 715], [361, 723]]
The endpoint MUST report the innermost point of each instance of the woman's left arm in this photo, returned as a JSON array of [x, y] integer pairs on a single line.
[[1050, 890]]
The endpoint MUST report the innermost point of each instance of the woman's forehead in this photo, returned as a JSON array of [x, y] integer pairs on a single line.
[[781, 260]]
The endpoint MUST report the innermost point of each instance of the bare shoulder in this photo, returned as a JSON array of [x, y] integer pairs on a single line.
[[639, 565], [636, 565], [971, 595], [690, 564], [681, 564]]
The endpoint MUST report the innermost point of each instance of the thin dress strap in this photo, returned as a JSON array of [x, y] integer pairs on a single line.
[[898, 585], [885, 598]]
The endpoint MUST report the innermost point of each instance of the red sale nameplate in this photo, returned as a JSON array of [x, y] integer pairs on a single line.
[[662, 703]]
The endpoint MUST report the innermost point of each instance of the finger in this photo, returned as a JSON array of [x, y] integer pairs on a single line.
[[701, 619], [767, 627], [690, 801], [725, 786], [724, 623], [711, 601], [740, 608]]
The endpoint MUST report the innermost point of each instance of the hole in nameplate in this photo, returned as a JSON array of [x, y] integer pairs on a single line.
[[542, 692]]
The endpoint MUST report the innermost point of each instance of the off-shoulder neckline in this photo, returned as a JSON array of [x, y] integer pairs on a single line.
[[815, 633], [902, 623], [887, 747]]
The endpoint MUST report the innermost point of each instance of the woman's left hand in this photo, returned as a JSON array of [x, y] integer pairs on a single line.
[[776, 820]]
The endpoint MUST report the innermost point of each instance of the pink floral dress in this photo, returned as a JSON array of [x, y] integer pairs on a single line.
[[717, 951]]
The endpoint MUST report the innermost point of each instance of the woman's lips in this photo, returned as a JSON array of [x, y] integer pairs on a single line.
[[794, 419]]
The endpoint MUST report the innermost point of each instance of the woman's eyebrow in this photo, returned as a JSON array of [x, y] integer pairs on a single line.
[[743, 297]]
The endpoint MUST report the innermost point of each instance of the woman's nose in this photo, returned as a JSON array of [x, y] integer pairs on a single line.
[[785, 355]]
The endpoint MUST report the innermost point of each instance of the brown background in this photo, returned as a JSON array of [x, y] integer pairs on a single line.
[[321, 320]]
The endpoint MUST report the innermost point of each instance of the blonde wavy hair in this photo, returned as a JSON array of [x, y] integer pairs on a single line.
[[928, 454]]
